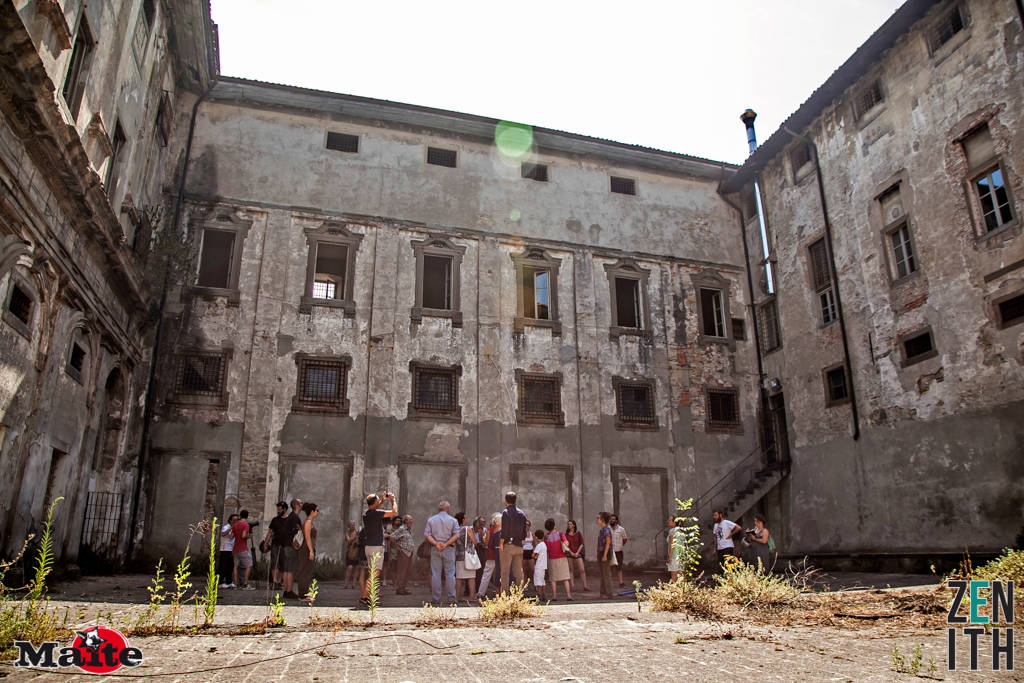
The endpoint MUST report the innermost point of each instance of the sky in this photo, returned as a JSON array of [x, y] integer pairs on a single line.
[[670, 75]]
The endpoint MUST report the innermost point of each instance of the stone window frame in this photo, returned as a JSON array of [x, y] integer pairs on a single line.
[[538, 258], [713, 280], [829, 402], [341, 405], [715, 425], [80, 338], [826, 286], [870, 87], [904, 338], [763, 321], [958, 139], [805, 169], [939, 52], [557, 418], [891, 226], [629, 269], [416, 413], [628, 424], [438, 246], [997, 316], [227, 223], [28, 289], [330, 232], [220, 400]]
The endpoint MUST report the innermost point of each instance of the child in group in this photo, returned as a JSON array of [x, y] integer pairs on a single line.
[[540, 563]]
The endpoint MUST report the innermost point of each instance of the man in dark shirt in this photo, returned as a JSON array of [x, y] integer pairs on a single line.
[[281, 534], [513, 531], [373, 524]]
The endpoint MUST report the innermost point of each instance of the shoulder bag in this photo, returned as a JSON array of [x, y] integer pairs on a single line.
[[472, 560]]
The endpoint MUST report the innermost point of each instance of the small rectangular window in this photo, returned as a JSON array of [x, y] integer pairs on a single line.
[[77, 359], [770, 337], [799, 157], [537, 172], [201, 375], [712, 312], [835, 386], [329, 276], [321, 382], [918, 348], [903, 252], [867, 98], [149, 11], [437, 282], [20, 304], [628, 306], [343, 142], [215, 258], [1011, 311], [164, 117], [739, 329], [434, 392], [951, 24], [623, 185], [634, 403], [78, 70], [723, 408], [540, 398], [441, 157]]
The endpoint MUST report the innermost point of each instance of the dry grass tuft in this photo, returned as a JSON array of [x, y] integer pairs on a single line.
[[683, 596], [436, 617], [748, 585], [508, 606]]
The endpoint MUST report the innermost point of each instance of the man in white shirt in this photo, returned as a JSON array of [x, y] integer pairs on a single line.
[[724, 531], [619, 539], [227, 563]]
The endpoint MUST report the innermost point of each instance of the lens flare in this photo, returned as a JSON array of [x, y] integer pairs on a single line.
[[514, 215], [513, 140]]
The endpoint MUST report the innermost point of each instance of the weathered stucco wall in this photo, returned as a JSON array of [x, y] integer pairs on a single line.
[[937, 466]]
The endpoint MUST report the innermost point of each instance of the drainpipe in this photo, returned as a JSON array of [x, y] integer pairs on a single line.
[[747, 117], [147, 415], [835, 279]]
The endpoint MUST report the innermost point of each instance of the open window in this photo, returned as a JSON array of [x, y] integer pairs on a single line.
[[220, 238], [713, 316], [630, 311], [536, 290], [330, 268], [438, 283], [78, 69], [20, 308]]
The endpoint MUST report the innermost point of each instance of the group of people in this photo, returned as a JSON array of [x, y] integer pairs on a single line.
[[290, 540]]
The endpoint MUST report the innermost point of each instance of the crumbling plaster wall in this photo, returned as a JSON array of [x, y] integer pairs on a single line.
[[271, 168], [938, 464]]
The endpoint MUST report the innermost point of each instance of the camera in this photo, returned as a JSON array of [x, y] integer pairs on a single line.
[[748, 531], [253, 525]]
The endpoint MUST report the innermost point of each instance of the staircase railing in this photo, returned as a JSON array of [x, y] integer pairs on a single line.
[[731, 481]]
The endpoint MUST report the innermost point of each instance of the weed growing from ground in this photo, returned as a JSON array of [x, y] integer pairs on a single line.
[[686, 541], [509, 606], [911, 664], [750, 586], [373, 591], [684, 596], [437, 617], [276, 617], [209, 598]]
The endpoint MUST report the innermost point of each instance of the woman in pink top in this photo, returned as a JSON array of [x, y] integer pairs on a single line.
[[558, 563]]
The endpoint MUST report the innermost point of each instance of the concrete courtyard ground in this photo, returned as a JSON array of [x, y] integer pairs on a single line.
[[842, 635]]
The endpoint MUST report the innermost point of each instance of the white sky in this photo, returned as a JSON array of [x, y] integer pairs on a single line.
[[674, 75]]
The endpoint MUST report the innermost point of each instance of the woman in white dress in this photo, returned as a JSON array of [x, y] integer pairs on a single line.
[[463, 576]]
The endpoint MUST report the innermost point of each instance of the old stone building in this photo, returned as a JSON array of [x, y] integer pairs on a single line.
[[88, 142], [892, 329], [365, 295]]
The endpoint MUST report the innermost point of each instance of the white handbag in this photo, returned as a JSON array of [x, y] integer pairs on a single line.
[[472, 560]]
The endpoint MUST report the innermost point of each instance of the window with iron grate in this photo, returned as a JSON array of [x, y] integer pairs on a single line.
[[343, 142], [948, 26], [771, 339], [634, 404], [866, 99], [623, 185], [441, 157], [323, 384], [435, 392], [836, 386], [540, 398], [1010, 311], [723, 409], [538, 172], [200, 375]]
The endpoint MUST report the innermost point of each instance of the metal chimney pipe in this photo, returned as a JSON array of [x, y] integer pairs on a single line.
[[747, 117]]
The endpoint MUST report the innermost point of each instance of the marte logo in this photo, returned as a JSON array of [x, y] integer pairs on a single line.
[[95, 650]]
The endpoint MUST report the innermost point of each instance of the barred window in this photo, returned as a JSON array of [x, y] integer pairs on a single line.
[[723, 408], [441, 157], [343, 142], [867, 98], [540, 398], [1010, 311], [769, 321], [822, 280], [634, 404], [950, 24], [623, 185], [323, 384], [836, 387], [435, 391], [739, 329], [537, 172], [200, 375], [800, 160]]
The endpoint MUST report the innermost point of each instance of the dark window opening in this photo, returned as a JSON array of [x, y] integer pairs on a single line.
[[437, 282], [343, 142], [712, 312], [635, 403], [201, 375], [739, 329], [723, 407], [950, 25], [78, 70], [770, 337], [77, 360], [163, 119], [441, 157], [819, 265], [628, 306], [537, 172], [434, 391], [623, 185], [536, 293], [116, 158], [868, 98], [322, 382], [20, 304], [835, 385], [1011, 311], [918, 346], [539, 399], [994, 198], [903, 252], [149, 12], [800, 156], [215, 259], [329, 276]]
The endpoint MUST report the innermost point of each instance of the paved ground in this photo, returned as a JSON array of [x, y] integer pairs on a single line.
[[584, 641]]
